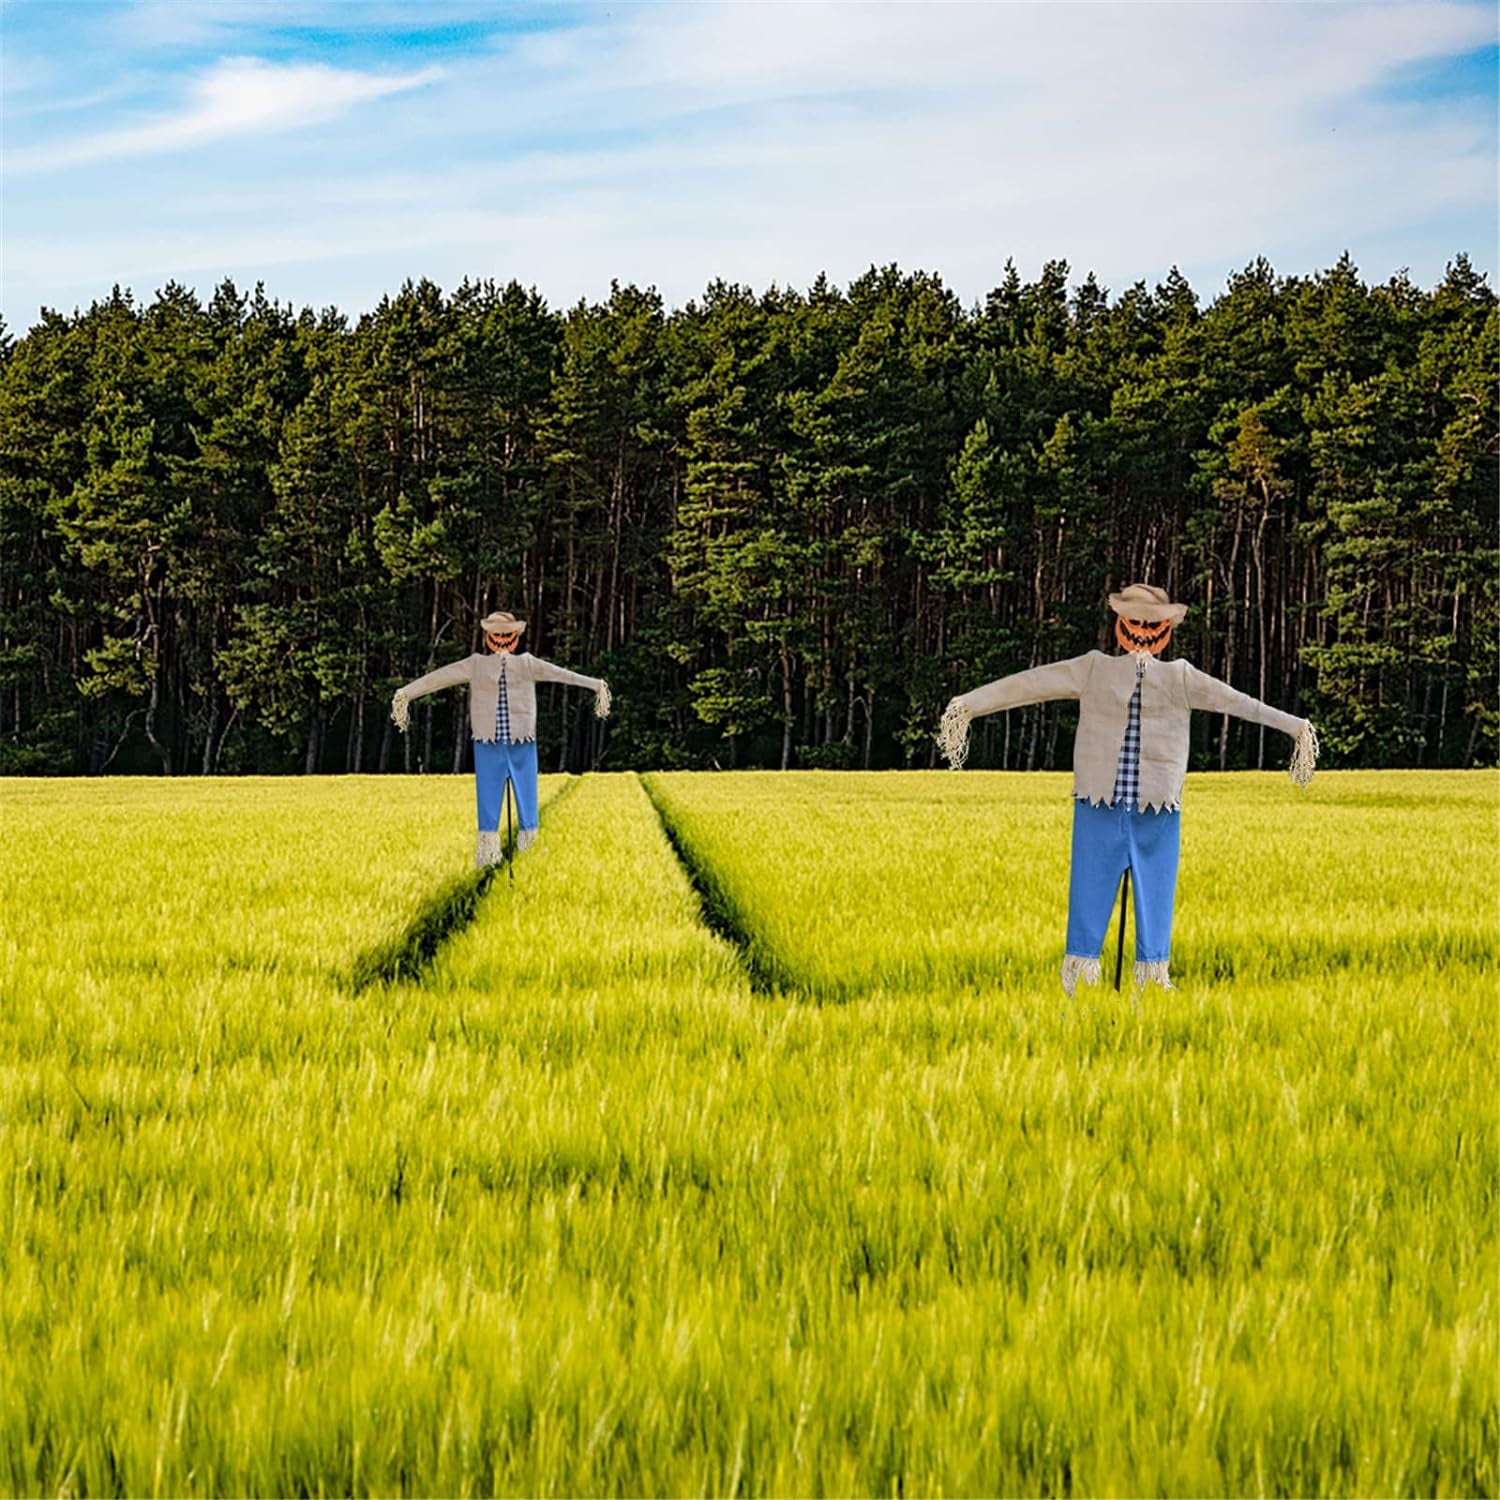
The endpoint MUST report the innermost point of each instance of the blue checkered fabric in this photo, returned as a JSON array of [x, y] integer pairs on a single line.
[[1128, 767], [502, 712]]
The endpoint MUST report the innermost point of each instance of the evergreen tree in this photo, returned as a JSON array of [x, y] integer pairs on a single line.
[[787, 526]]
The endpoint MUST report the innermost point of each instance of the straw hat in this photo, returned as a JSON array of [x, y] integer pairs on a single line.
[[502, 622], [1143, 601]]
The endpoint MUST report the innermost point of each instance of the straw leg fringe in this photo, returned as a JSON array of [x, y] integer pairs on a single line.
[[487, 850], [525, 838], [953, 735], [1074, 969], [1154, 973], [1304, 755]]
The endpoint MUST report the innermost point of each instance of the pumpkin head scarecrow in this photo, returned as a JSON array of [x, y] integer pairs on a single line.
[[1129, 762], [502, 717]]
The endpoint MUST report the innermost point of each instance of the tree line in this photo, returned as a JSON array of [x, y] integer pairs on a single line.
[[785, 525]]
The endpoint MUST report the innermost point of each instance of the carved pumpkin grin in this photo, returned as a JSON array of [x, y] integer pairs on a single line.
[[1143, 635]]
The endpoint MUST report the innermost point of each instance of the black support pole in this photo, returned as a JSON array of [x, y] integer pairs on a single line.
[[510, 836], [1120, 949]]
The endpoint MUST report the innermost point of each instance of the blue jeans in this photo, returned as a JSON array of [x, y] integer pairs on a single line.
[[1106, 842], [495, 762]]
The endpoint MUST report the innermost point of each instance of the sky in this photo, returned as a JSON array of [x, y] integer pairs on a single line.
[[332, 150]]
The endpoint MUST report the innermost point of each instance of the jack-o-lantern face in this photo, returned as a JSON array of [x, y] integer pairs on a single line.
[[1143, 635]]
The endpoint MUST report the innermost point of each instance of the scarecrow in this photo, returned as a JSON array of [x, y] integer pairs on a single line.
[[502, 718], [1129, 761]]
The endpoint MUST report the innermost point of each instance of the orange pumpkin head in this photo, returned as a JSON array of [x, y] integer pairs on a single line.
[[1143, 635]]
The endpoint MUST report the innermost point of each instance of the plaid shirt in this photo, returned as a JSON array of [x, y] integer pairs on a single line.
[[502, 712], [1128, 767]]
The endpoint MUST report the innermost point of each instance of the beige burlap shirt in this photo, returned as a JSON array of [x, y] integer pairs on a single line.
[[1103, 686], [481, 672]]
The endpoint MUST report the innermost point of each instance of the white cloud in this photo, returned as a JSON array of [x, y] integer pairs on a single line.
[[150, 24], [236, 96], [761, 143]]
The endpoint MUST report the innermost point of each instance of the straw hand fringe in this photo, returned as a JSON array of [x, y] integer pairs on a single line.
[[602, 701], [1304, 756], [953, 735], [401, 711]]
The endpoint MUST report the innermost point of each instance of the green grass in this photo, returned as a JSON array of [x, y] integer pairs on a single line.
[[579, 1209], [874, 881]]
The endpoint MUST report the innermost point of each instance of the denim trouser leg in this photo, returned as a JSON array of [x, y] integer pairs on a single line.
[[1106, 842], [1155, 840], [494, 764]]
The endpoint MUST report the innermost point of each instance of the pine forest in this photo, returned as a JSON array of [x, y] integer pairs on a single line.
[[786, 525]]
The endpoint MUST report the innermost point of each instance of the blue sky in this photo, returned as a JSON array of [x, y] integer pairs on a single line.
[[334, 149]]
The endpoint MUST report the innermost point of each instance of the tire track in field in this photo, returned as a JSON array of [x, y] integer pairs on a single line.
[[719, 912], [409, 954]]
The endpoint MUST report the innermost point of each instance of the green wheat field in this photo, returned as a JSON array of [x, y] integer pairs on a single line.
[[743, 1143]]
